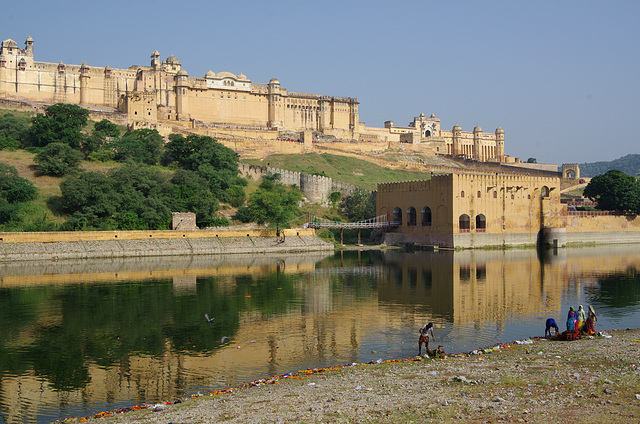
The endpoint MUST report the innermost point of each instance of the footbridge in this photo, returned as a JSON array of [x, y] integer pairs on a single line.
[[381, 221]]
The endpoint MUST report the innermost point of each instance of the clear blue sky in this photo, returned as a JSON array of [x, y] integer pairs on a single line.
[[561, 78]]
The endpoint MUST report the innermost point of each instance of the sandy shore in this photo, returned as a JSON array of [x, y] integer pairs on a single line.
[[583, 381]]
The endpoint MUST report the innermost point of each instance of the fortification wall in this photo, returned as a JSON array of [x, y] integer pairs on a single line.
[[317, 188], [119, 244]]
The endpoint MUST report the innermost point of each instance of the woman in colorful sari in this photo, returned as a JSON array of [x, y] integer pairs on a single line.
[[591, 320], [582, 317], [571, 320]]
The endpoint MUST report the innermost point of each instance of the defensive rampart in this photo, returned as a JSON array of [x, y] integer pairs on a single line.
[[117, 244], [317, 188]]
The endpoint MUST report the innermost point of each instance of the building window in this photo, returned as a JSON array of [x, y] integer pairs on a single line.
[[479, 194], [481, 223], [464, 223], [462, 193], [426, 216], [545, 191], [495, 194], [411, 217], [397, 216]]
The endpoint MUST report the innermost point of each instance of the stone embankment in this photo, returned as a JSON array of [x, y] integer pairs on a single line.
[[115, 244]]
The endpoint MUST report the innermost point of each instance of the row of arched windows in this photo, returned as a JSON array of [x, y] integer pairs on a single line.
[[425, 215], [464, 223]]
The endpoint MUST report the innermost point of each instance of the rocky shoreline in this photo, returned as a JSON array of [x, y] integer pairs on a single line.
[[536, 380]]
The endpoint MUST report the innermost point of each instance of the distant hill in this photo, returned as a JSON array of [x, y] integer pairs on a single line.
[[629, 164]]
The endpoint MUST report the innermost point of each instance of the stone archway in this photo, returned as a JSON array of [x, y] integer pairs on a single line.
[[571, 171]]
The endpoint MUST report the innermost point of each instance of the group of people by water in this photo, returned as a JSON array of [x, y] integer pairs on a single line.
[[582, 321], [579, 321]]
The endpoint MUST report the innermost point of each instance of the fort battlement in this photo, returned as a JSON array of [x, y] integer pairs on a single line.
[[317, 188], [477, 177]]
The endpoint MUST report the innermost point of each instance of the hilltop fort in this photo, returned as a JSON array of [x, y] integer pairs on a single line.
[[226, 106]]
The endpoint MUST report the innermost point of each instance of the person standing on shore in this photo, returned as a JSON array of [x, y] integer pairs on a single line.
[[425, 330], [571, 319], [582, 317], [591, 321]]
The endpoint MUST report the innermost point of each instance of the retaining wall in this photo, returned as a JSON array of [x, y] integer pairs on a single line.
[[118, 244]]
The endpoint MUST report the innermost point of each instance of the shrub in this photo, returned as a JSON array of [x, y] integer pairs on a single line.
[[58, 159]]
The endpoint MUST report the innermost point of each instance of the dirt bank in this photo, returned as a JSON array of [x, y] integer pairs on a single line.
[[589, 380]]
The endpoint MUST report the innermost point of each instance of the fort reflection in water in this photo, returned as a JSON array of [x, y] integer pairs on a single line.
[[133, 331]]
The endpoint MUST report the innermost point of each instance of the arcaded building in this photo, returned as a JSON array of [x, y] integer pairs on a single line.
[[466, 211], [163, 95]]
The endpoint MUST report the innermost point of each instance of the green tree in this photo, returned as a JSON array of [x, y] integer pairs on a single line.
[[144, 191], [236, 195], [190, 193], [14, 131], [96, 146], [359, 205], [15, 192], [129, 197], [211, 160], [14, 188], [107, 128], [272, 203], [58, 159], [61, 123], [90, 198], [334, 198], [178, 149], [614, 190], [142, 145]]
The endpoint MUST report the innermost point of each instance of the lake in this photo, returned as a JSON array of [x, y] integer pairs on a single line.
[[80, 337]]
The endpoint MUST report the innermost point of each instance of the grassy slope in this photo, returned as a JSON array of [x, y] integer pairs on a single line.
[[47, 186], [358, 172]]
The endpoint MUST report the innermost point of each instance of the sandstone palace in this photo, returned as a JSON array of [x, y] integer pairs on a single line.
[[164, 96]]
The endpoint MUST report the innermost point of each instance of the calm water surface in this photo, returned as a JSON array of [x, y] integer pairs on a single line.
[[80, 337]]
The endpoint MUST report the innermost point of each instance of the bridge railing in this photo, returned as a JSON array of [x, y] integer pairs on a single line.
[[377, 222]]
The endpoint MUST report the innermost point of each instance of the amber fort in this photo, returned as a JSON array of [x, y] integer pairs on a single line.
[[162, 95]]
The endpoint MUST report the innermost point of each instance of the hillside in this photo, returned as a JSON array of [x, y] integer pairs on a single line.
[[47, 186], [629, 164], [358, 172]]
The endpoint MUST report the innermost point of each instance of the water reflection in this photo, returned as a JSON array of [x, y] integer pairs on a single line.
[[79, 337]]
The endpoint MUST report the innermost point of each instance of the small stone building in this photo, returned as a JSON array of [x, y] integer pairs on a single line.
[[183, 221]]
